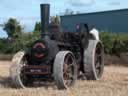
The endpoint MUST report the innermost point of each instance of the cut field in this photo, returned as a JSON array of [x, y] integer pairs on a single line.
[[113, 83]]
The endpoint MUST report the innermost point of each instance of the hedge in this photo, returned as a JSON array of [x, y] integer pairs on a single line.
[[114, 43]]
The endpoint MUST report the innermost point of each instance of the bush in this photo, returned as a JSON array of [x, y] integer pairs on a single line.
[[6, 56], [107, 41], [114, 43]]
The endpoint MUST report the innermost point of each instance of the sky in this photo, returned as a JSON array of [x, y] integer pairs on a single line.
[[27, 12]]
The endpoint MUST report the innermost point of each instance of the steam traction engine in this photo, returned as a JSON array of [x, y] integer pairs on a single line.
[[58, 56]]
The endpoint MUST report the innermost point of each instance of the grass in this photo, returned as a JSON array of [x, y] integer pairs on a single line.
[[6, 56], [113, 83]]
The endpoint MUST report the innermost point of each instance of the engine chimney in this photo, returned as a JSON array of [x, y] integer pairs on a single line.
[[45, 13]]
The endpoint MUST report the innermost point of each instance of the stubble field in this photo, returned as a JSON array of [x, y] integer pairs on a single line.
[[113, 83]]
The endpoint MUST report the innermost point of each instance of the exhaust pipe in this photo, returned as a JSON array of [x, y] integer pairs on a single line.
[[45, 14]]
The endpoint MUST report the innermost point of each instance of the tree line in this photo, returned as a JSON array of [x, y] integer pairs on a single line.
[[17, 39]]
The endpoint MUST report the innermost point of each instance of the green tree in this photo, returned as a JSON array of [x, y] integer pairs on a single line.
[[37, 30], [13, 28], [37, 26]]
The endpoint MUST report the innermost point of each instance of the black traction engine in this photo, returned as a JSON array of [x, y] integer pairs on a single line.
[[58, 56]]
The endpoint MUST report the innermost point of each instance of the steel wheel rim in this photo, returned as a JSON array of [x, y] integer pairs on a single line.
[[99, 60], [68, 71]]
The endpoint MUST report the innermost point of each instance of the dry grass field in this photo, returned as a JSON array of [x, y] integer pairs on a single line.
[[113, 83]]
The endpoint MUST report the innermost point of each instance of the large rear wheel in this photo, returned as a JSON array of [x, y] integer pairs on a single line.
[[94, 60], [65, 69]]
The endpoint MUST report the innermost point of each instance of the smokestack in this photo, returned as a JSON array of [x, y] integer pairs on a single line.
[[45, 14]]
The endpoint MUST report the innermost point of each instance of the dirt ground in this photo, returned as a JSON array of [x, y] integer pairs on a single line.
[[113, 83]]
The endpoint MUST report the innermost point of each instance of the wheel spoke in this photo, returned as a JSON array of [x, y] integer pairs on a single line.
[[71, 76], [70, 65], [65, 68], [69, 70], [65, 76], [97, 71], [97, 65]]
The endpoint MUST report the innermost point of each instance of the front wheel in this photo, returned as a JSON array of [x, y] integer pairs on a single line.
[[19, 79], [65, 69]]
